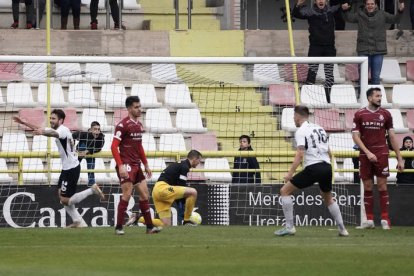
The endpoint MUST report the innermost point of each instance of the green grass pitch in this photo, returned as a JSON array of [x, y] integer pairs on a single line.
[[206, 250]]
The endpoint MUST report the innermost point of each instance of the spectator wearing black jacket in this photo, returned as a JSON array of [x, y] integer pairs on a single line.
[[246, 163], [321, 22], [405, 177], [90, 142]]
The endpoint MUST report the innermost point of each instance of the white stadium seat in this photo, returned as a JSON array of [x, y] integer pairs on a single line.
[[113, 95], [95, 114], [320, 75], [14, 142], [131, 5], [349, 165], [189, 120], [403, 95], [155, 164], [398, 121], [164, 73], [148, 142], [344, 96], [100, 177], [341, 142], [69, 72], [384, 101], [57, 98], [217, 163], [178, 96], [391, 72], [81, 95], [172, 142], [20, 95], [314, 96], [33, 164], [288, 124], [2, 102], [35, 72], [4, 177], [146, 94], [99, 72], [40, 143], [266, 73], [159, 121]]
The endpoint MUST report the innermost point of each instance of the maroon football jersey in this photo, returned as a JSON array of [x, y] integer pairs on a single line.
[[372, 126], [129, 133]]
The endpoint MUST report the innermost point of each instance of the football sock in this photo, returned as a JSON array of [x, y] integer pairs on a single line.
[[73, 213], [146, 213], [122, 206], [369, 204], [78, 197], [189, 206], [384, 203], [336, 214], [288, 210]]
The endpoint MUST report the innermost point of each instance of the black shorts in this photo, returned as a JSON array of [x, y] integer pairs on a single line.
[[319, 172], [68, 180]]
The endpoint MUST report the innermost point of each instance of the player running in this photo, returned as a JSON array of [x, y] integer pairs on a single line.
[[312, 146]]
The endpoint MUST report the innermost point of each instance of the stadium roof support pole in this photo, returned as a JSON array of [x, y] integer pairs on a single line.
[[292, 51]]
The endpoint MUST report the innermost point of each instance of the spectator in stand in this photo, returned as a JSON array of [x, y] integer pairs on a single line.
[[339, 19], [321, 37], [90, 142], [66, 5], [246, 163], [114, 12], [405, 177], [372, 40], [29, 14]]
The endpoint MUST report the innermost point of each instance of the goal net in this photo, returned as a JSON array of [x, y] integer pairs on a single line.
[[207, 104]]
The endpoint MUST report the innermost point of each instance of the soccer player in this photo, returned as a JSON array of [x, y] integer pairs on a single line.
[[128, 153], [370, 126], [69, 176], [312, 146], [171, 186]]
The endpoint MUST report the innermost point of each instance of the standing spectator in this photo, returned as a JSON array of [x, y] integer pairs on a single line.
[[90, 142], [321, 37], [114, 12], [404, 177], [339, 19], [16, 11], [370, 127], [246, 163], [66, 5], [372, 37]]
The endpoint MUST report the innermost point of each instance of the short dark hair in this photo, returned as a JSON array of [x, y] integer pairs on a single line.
[[194, 154], [371, 91], [95, 123], [59, 113], [245, 137], [302, 110], [130, 100]]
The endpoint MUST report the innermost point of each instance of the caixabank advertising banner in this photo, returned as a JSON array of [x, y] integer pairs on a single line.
[[29, 206]]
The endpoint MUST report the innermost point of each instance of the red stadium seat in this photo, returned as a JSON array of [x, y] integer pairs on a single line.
[[35, 115], [328, 119], [410, 70], [71, 120], [349, 118], [410, 119], [8, 72], [302, 72], [119, 114], [201, 142], [282, 94], [351, 72]]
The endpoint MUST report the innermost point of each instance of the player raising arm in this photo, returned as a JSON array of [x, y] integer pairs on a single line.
[[312, 146]]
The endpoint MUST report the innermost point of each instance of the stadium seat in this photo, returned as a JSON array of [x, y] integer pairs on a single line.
[[390, 72], [349, 165], [302, 72], [131, 5], [403, 95], [266, 73], [410, 70], [392, 164], [159, 121], [220, 164], [384, 101], [282, 94], [338, 176], [8, 72], [99, 72], [288, 124], [57, 99], [119, 114], [155, 164], [55, 164], [400, 137], [69, 72], [344, 96], [410, 119], [148, 142], [172, 142], [71, 120], [31, 177], [2, 102], [40, 144], [100, 177], [178, 96], [35, 115], [314, 96], [146, 94], [87, 3], [349, 118], [113, 95], [4, 177], [5, 4], [204, 142], [328, 119], [398, 122], [341, 142], [14, 142], [352, 72], [95, 114], [113, 175], [20, 95], [164, 73], [35, 72], [81, 95], [108, 141], [189, 120], [337, 76]]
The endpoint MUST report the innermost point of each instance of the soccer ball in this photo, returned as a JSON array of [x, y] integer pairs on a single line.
[[195, 218]]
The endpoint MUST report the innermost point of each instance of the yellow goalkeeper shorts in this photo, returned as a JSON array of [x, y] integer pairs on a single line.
[[164, 195]]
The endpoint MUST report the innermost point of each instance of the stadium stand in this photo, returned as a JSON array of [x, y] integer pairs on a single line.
[[71, 120], [410, 70], [4, 177], [189, 120], [95, 114], [112, 95], [172, 142], [40, 143], [217, 164], [35, 72], [384, 101], [328, 119], [14, 142], [403, 95], [30, 177], [301, 69], [288, 124], [159, 121], [410, 119], [99, 72], [341, 141], [146, 94], [20, 95], [69, 72], [57, 98], [349, 118], [81, 95], [204, 142], [100, 177], [2, 102], [398, 121], [119, 114], [344, 96], [348, 165], [178, 96], [34, 115], [351, 72], [155, 164], [164, 73], [391, 72], [282, 94], [320, 75], [314, 96], [266, 73], [148, 142], [8, 72]]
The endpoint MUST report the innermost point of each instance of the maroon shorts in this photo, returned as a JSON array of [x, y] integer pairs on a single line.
[[368, 169], [135, 174]]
